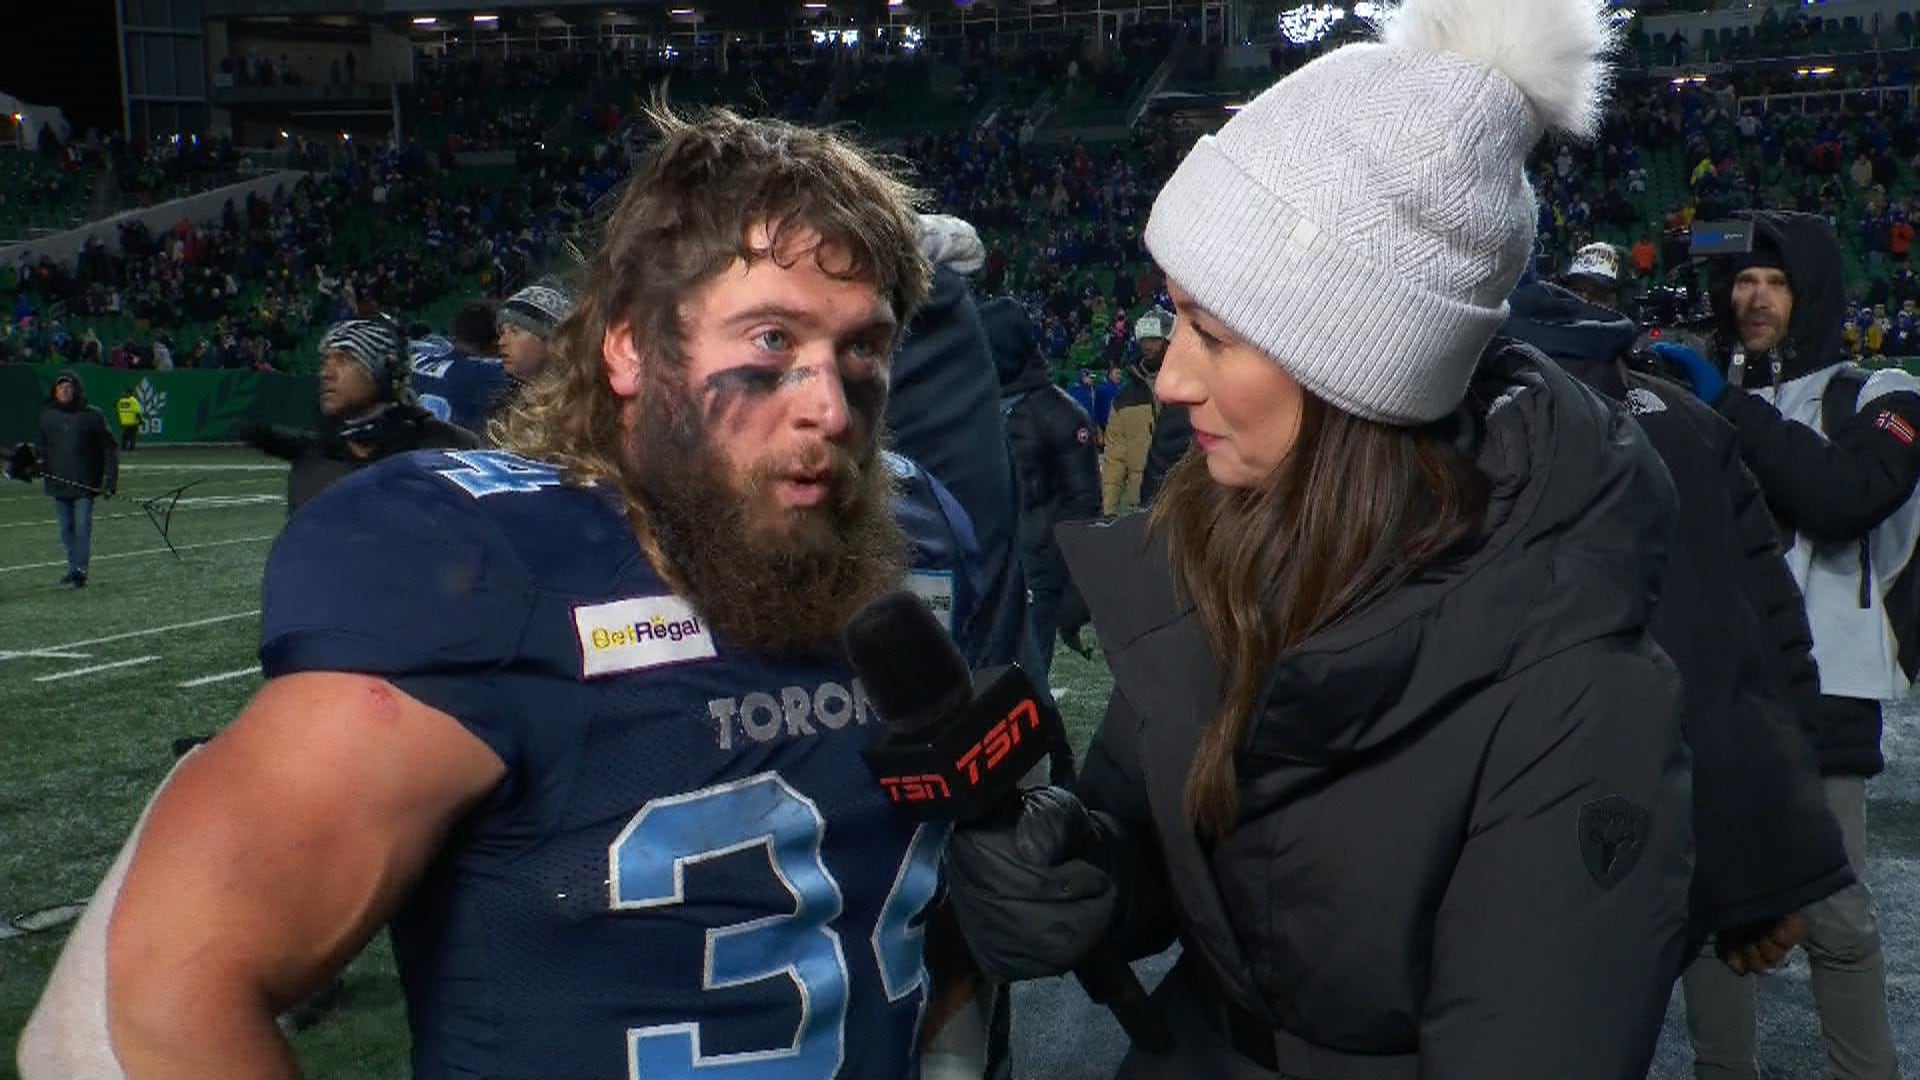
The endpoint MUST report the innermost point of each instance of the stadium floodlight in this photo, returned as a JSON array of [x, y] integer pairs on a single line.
[[425, 20]]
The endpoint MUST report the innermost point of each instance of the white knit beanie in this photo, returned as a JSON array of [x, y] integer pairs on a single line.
[[1363, 220]]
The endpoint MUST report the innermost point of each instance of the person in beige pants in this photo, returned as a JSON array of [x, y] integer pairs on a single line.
[[1130, 425]]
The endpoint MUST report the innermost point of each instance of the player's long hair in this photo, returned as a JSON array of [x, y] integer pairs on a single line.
[[684, 219], [1355, 509]]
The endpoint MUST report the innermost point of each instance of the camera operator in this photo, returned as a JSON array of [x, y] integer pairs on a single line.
[[1844, 490]]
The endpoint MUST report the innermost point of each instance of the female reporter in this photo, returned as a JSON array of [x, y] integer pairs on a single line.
[[1389, 749]]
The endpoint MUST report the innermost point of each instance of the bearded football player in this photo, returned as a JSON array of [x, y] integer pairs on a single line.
[[571, 717]]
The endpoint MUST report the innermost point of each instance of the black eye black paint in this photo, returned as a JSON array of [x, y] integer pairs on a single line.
[[723, 390]]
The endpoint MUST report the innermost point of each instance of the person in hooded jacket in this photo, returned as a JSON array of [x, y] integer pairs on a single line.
[[1390, 751], [1731, 618], [367, 412], [79, 460], [1843, 490], [1051, 441]]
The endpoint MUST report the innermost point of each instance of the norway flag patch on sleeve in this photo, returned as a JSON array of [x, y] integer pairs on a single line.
[[1891, 423]]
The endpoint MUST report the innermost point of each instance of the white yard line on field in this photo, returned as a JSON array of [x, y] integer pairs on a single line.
[[137, 554], [58, 675], [128, 634], [46, 654], [205, 680]]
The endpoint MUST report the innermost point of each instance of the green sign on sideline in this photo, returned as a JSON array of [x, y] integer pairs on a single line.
[[175, 406]]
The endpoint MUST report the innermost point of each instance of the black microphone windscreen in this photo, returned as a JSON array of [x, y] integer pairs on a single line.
[[913, 672]]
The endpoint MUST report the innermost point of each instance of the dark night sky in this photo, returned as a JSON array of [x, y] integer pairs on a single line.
[[63, 53]]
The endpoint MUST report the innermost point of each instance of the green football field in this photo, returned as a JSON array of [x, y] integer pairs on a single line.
[[96, 683]]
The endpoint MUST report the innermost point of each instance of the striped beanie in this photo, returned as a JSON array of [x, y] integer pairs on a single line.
[[379, 346], [537, 309]]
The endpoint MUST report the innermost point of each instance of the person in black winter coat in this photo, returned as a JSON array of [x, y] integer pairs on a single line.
[[1371, 902], [1731, 618], [1837, 453], [1051, 441], [367, 412], [1391, 751], [80, 460], [943, 409]]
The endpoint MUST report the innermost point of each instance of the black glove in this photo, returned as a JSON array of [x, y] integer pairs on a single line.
[[1030, 899]]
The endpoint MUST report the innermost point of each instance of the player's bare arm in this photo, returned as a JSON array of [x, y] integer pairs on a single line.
[[269, 860]]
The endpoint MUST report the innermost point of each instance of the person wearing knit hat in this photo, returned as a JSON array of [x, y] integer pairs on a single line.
[[528, 320], [1130, 422], [1390, 749], [365, 366], [368, 411], [1594, 275]]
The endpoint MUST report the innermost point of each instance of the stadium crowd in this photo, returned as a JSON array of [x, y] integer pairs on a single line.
[[1062, 223]]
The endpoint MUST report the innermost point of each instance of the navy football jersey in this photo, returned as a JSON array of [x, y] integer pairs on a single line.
[[463, 390], [688, 871]]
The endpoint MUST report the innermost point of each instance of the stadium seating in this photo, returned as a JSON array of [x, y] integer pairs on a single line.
[[556, 112]]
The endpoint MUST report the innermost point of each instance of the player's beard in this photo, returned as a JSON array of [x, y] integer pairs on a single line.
[[766, 577]]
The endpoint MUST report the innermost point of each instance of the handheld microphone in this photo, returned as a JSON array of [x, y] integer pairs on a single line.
[[955, 747]]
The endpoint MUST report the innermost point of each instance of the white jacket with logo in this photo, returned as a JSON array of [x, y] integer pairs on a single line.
[[1855, 646]]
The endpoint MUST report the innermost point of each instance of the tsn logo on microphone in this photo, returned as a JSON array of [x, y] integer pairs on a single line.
[[962, 768], [998, 742]]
